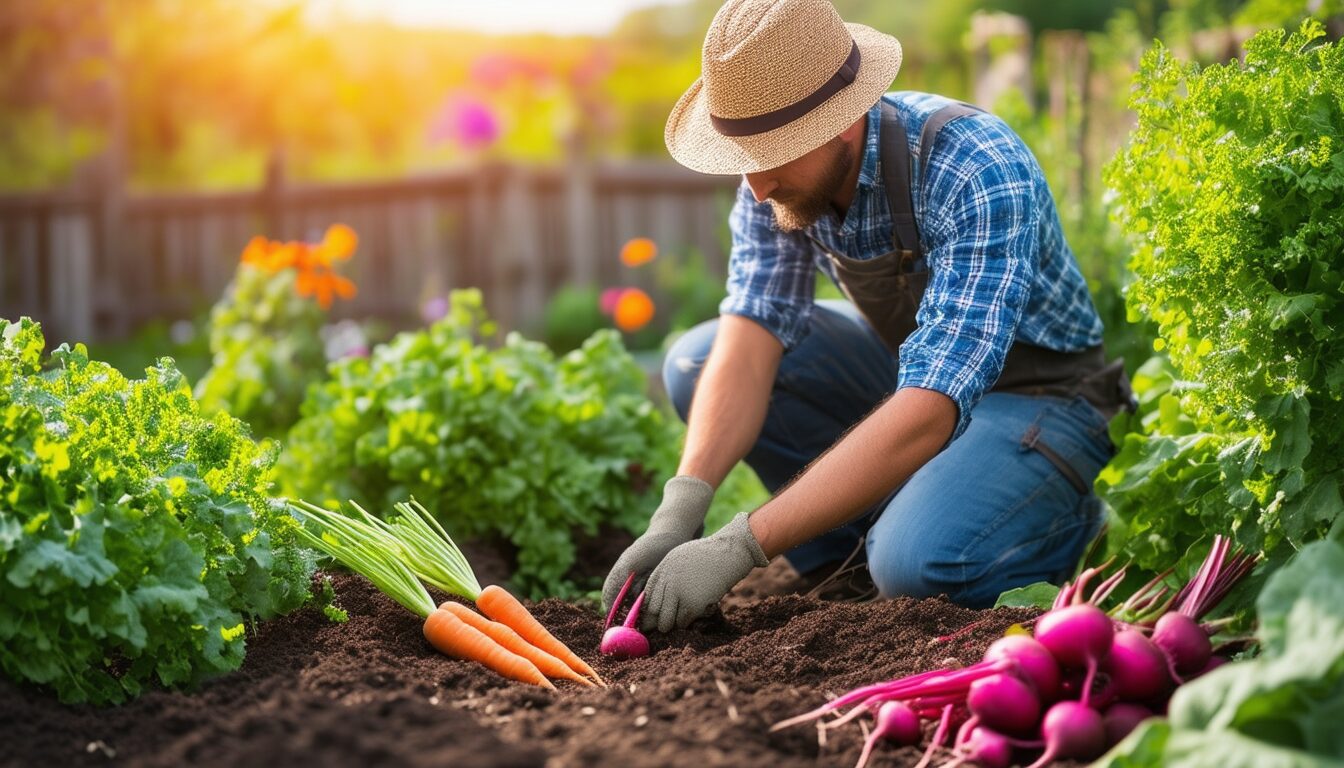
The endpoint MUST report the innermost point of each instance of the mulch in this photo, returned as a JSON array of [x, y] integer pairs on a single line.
[[372, 692]]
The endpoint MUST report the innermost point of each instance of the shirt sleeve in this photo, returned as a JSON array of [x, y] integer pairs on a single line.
[[982, 254], [771, 275]]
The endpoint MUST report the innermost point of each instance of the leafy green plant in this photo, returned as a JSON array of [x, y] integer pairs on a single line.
[[1282, 707], [506, 440], [136, 534], [1232, 190], [265, 333], [571, 316]]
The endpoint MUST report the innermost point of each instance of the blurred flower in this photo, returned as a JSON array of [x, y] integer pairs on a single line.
[[639, 250], [338, 244], [324, 285], [466, 121], [608, 300], [634, 310], [344, 339], [313, 263], [434, 310]]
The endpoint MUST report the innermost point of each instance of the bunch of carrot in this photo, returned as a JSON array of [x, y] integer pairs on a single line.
[[397, 555]]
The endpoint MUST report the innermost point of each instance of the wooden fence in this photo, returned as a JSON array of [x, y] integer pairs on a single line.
[[97, 264]]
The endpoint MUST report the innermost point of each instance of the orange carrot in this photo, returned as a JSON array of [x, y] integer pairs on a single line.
[[548, 664], [503, 607], [450, 635]]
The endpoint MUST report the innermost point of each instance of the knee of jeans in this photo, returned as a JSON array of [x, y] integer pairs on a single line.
[[683, 363], [900, 570]]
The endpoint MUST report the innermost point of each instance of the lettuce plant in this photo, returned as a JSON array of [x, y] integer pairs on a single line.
[[1231, 189], [136, 535], [504, 441]]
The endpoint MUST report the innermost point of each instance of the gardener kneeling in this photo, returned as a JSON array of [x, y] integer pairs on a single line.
[[943, 427]]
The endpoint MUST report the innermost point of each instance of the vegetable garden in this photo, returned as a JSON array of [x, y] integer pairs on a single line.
[[286, 560]]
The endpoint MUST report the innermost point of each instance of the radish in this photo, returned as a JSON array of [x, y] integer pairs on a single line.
[[1138, 667], [896, 723], [1077, 636], [1185, 643], [1100, 694], [984, 748], [1071, 730], [1035, 663], [1122, 718], [930, 689], [1004, 703], [624, 641]]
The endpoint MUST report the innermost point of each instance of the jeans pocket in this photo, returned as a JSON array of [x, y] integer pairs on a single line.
[[1073, 437]]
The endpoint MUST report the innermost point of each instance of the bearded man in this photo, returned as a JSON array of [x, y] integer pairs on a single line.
[[939, 431]]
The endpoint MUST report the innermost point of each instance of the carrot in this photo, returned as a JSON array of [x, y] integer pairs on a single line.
[[548, 664], [368, 551], [503, 607], [450, 635]]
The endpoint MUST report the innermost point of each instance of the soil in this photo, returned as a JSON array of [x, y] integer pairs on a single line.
[[372, 692]]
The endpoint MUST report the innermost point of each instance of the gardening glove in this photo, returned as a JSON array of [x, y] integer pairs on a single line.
[[679, 518], [696, 575]]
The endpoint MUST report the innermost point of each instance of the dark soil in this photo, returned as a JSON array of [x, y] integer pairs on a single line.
[[372, 692]]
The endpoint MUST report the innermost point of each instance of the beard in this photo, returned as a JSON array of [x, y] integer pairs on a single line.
[[798, 210]]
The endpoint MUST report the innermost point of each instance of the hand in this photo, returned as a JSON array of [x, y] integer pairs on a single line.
[[696, 575], [679, 518]]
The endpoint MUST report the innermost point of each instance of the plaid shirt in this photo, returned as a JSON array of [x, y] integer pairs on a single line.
[[1000, 268]]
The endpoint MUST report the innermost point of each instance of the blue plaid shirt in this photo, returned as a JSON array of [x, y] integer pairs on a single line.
[[1000, 268]]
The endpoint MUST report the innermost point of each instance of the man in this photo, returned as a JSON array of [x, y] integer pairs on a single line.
[[947, 422]]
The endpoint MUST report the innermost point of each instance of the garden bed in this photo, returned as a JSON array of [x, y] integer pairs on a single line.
[[371, 691]]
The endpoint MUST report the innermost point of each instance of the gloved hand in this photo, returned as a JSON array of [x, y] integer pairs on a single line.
[[696, 575], [679, 518]]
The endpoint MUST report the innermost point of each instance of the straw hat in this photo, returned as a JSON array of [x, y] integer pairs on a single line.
[[779, 78]]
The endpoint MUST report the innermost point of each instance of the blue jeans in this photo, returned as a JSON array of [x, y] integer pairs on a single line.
[[991, 512]]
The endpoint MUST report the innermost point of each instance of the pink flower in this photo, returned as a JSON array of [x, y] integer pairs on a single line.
[[610, 298], [434, 310], [466, 121]]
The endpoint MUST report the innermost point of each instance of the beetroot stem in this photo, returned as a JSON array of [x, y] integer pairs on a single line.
[[633, 616], [620, 598]]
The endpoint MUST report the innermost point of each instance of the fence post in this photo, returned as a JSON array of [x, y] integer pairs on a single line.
[[272, 196], [1000, 46], [99, 260], [581, 221]]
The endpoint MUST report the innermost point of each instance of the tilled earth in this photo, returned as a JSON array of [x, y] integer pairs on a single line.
[[372, 692]]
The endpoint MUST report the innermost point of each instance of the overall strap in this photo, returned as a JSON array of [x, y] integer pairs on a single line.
[[895, 157], [897, 174]]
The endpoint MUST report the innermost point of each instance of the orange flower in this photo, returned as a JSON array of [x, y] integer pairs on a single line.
[[640, 250], [311, 262], [324, 285], [634, 310], [338, 244], [257, 251]]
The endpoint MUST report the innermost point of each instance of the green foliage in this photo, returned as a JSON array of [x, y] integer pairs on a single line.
[[506, 441], [1232, 190], [136, 535], [691, 291], [1282, 708], [572, 315], [267, 348], [1097, 242], [1038, 595]]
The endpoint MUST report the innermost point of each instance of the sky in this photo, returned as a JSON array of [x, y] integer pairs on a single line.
[[493, 16]]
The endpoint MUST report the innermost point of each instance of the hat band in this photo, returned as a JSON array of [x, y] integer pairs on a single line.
[[750, 126]]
